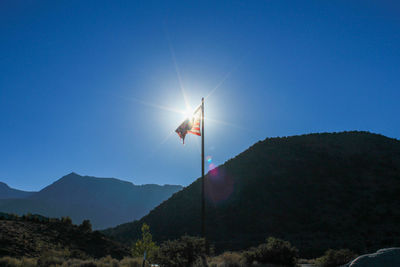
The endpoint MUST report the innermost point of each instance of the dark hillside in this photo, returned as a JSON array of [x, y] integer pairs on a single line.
[[318, 191], [33, 235]]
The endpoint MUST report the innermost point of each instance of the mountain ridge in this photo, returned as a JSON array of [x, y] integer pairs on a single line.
[[7, 192], [105, 201]]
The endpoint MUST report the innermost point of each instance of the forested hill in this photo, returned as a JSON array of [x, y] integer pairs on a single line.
[[318, 191]]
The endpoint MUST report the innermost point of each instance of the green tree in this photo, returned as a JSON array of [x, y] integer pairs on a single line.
[[145, 244]]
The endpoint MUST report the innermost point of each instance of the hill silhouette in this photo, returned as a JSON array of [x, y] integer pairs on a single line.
[[7, 192], [33, 235], [318, 191], [105, 202]]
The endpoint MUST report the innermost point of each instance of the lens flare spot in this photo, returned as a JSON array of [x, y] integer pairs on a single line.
[[209, 159], [213, 170], [219, 186]]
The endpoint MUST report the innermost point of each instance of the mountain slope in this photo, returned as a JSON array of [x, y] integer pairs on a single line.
[[319, 191], [104, 201], [7, 192], [35, 235]]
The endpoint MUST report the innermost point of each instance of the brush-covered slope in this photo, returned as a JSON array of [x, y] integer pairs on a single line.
[[7, 192], [34, 235], [105, 202], [319, 191]]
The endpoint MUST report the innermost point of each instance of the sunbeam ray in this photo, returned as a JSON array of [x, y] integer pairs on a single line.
[[161, 107], [172, 51]]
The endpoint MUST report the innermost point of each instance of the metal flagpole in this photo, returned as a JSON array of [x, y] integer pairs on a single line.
[[203, 213]]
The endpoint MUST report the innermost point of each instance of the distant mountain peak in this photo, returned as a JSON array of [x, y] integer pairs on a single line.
[[73, 178], [71, 175]]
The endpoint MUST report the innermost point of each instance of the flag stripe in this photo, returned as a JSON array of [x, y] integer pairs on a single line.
[[196, 123]]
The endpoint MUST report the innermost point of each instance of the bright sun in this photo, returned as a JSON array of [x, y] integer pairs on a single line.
[[188, 114]]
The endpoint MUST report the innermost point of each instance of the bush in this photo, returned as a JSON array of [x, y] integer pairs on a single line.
[[66, 220], [132, 262], [249, 255], [182, 252], [28, 262], [274, 251], [80, 263], [85, 226], [228, 259], [109, 261], [333, 258], [200, 262]]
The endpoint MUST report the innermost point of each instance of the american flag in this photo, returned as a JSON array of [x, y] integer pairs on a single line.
[[190, 125]]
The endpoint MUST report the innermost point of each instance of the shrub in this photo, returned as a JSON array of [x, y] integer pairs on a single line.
[[80, 263], [274, 251], [249, 255], [87, 264], [333, 258], [28, 262], [200, 262], [132, 262], [228, 259], [108, 261], [66, 220], [78, 254], [85, 226], [232, 259], [182, 252], [26, 217]]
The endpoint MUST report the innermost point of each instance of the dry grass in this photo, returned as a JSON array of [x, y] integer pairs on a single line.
[[228, 259], [62, 262], [13, 262], [63, 258]]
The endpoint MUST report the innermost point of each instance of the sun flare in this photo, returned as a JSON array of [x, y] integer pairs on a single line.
[[188, 114]]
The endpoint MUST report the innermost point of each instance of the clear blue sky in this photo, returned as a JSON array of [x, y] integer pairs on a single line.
[[87, 86]]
